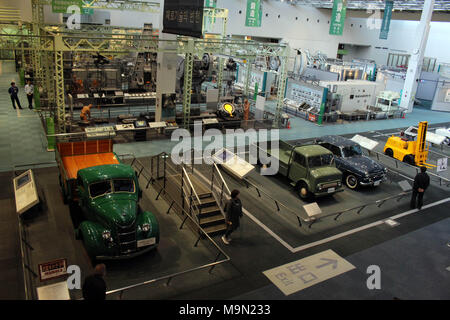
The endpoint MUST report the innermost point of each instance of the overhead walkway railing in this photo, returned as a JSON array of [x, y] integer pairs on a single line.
[[160, 180]]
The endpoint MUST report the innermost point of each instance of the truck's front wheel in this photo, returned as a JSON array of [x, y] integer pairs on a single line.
[[303, 191]]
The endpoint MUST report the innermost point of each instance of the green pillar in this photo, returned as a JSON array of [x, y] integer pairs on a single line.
[[51, 131]]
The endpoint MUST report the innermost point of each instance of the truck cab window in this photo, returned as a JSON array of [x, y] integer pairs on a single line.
[[100, 188], [300, 159], [123, 185], [319, 161]]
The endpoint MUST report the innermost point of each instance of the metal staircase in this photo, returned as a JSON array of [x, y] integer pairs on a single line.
[[197, 199]]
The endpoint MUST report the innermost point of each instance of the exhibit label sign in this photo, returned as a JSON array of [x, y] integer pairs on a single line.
[[386, 20], [306, 272], [53, 269], [253, 14], [60, 6], [442, 164], [183, 17], [338, 17]]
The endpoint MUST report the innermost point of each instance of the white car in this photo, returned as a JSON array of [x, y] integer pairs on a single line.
[[444, 132]]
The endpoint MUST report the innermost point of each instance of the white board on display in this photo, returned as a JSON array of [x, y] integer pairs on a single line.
[[364, 142], [260, 104], [442, 165]]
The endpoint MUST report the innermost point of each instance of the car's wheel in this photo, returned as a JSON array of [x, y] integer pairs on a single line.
[[303, 191], [351, 181], [389, 152], [409, 159]]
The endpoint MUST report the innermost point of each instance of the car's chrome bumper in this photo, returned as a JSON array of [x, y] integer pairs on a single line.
[[371, 181], [128, 255]]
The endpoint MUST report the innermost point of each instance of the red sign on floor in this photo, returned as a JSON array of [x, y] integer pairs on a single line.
[[53, 269]]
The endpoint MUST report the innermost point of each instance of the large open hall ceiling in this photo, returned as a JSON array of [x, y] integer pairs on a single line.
[[440, 5]]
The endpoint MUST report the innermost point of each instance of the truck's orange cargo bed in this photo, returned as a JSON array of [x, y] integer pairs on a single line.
[[74, 163], [84, 154]]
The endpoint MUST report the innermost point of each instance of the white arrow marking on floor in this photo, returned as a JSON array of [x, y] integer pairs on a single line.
[[329, 261]]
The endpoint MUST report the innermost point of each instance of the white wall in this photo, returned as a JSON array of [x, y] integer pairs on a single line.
[[315, 36], [301, 33]]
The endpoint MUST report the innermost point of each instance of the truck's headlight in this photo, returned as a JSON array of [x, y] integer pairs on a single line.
[[106, 235], [145, 227], [339, 184], [385, 170]]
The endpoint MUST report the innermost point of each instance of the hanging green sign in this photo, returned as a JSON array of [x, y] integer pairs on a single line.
[[386, 20], [254, 13], [210, 3], [338, 17], [60, 6]]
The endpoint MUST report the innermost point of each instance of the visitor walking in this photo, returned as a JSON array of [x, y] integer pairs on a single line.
[[233, 212]]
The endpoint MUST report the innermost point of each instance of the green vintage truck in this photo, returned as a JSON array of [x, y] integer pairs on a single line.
[[310, 168], [103, 194]]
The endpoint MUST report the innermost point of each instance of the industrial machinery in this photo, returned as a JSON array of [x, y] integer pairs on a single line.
[[409, 150], [103, 195], [199, 75]]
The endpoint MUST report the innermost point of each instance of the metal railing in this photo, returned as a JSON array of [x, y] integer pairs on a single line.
[[156, 182], [442, 180]]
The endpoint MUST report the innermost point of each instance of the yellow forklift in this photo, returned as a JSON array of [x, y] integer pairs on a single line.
[[413, 152]]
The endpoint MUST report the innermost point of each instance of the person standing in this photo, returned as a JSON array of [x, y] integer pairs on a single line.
[[29, 90], [233, 212], [86, 113], [94, 287], [421, 183], [13, 92]]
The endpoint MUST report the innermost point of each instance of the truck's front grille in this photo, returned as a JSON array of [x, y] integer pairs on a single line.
[[329, 185], [127, 238]]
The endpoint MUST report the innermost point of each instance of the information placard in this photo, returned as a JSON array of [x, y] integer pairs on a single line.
[[183, 17], [53, 269]]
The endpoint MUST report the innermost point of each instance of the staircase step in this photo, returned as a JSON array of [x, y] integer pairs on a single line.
[[206, 202], [205, 195], [212, 220], [209, 210], [216, 229]]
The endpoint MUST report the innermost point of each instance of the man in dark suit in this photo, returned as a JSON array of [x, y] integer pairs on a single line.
[[13, 91], [421, 183], [94, 287]]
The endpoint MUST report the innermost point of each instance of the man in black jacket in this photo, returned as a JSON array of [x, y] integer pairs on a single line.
[[94, 287], [421, 183], [13, 91], [233, 212]]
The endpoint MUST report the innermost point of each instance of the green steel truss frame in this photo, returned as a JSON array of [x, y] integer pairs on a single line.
[[47, 44], [129, 5]]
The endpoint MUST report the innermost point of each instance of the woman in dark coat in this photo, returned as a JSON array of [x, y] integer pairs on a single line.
[[233, 212]]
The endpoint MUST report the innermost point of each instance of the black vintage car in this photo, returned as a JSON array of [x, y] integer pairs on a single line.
[[357, 169]]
